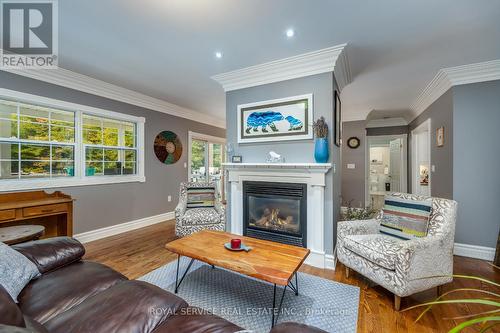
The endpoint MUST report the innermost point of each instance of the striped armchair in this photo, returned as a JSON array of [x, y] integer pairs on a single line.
[[404, 267], [199, 208]]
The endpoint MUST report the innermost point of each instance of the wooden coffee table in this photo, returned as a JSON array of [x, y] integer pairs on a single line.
[[268, 261]]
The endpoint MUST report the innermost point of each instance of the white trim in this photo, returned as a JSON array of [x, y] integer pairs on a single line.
[[79, 179], [386, 122], [276, 137], [453, 76], [330, 261], [72, 80], [415, 172], [474, 251], [116, 229], [332, 59]]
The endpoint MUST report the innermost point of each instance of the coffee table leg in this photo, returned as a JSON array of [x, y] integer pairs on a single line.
[[273, 321], [177, 285], [295, 287]]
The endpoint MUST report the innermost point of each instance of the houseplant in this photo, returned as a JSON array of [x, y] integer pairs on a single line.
[[321, 153]]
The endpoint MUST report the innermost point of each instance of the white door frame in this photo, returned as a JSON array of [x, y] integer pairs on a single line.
[[202, 137], [404, 162], [415, 170]]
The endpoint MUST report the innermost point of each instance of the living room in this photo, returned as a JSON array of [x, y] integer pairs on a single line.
[[257, 166]]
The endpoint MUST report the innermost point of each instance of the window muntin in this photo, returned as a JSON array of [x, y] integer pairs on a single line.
[[110, 146], [42, 143]]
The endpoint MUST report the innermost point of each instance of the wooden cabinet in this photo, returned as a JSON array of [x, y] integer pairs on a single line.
[[54, 211]]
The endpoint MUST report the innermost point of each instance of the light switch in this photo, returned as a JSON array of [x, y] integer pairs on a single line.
[[185, 165], [351, 166], [433, 168], [169, 198]]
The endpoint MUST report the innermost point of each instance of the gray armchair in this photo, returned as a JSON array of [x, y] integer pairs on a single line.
[[404, 267], [189, 218]]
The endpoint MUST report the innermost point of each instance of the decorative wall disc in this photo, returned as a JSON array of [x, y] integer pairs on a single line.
[[168, 147]]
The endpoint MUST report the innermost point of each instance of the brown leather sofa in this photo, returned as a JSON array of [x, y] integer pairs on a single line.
[[77, 296]]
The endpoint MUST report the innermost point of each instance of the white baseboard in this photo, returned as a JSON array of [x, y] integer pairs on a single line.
[[116, 229], [330, 261], [474, 251]]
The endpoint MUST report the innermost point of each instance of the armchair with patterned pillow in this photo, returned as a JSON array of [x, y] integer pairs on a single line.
[[407, 248], [199, 208]]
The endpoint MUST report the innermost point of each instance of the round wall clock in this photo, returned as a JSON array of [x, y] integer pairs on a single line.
[[168, 147], [353, 142]]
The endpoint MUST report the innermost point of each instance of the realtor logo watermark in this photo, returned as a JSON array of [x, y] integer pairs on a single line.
[[29, 32]]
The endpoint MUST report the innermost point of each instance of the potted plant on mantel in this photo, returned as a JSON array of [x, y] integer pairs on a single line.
[[321, 153]]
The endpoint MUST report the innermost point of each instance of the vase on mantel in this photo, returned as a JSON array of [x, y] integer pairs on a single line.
[[321, 154]]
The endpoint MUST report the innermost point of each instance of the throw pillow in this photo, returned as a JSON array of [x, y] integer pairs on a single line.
[[200, 197], [16, 271], [405, 219]]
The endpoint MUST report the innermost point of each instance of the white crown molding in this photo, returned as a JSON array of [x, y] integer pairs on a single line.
[[454, 76], [72, 80], [332, 59]]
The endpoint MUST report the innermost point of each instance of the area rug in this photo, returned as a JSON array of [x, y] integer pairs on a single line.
[[247, 302]]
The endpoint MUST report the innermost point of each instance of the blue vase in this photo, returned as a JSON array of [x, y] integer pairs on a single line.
[[321, 150]]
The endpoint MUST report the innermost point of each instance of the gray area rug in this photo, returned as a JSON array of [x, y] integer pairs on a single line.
[[247, 302]]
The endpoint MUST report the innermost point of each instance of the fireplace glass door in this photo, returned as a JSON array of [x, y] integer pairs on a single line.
[[278, 214]]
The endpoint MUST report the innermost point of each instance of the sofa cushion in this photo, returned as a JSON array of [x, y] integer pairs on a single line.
[[198, 197], [405, 218], [196, 320], [198, 216], [378, 248], [16, 271], [130, 306], [60, 290]]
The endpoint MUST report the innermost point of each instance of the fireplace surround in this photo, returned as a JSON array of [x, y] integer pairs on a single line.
[[275, 211], [313, 175]]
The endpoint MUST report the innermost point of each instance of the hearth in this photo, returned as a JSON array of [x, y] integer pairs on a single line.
[[275, 211]]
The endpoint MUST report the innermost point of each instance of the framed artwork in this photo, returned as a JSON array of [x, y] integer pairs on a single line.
[[440, 136], [167, 147], [424, 175], [338, 118], [281, 119]]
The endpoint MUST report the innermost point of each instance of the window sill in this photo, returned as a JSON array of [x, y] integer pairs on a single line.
[[31, 184]]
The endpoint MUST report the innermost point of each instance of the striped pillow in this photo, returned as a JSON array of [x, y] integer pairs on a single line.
[[405, 219], [200, 197]]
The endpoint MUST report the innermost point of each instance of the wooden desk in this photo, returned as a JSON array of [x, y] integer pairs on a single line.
[[53, 211]]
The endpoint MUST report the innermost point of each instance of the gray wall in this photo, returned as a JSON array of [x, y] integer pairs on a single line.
[[321, 86], [390, 130], [476, 180], [100, 206], [353, 180], [441, 114]]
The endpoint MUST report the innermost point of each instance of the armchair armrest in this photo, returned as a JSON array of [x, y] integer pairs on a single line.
[[219, 207], [180, 209], [357, 227], [429, 256], [51, 253]]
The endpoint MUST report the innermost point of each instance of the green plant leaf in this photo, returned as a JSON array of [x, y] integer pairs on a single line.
[[488, 327], [471, 322], [455, 301], [475, 315]]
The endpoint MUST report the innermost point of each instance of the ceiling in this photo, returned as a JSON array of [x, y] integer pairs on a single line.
[[165, 48]]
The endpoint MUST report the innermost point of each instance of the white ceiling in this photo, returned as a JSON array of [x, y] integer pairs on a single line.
[[165, 48]]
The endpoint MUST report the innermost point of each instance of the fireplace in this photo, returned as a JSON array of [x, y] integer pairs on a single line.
[[275, 211]]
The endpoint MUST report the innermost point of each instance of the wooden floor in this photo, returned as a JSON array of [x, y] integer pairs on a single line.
[[138, 252]]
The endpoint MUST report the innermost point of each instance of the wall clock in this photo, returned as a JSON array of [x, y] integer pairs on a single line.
[[353, 142], [168, 147]]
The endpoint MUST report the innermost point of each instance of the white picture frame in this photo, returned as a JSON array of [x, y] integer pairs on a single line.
[[290, 118]]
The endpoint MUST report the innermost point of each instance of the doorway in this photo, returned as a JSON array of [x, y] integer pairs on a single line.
[[421, 159], [206, 154], [386, 168]]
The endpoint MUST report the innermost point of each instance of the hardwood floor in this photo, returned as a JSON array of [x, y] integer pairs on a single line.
[[138, 252]]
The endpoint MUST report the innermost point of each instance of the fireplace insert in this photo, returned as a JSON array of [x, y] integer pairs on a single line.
[[275, 211]]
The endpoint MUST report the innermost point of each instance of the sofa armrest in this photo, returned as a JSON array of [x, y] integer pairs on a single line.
[[51, 253], [357, 227], [295, 328]]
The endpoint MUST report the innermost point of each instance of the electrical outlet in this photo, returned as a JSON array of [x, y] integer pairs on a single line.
[[185, 165], [169, 198]]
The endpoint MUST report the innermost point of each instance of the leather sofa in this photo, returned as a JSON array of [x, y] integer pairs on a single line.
[[73, 295]]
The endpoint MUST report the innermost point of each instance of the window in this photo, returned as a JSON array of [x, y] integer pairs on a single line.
[[49, 143]]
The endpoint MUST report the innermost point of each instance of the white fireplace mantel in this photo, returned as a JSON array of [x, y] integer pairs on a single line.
[[312, 174]]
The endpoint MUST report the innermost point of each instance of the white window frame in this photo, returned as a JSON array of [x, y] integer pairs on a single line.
[[79, 178]]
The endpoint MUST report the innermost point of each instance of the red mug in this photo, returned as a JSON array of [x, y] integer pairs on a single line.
[[235, 243]]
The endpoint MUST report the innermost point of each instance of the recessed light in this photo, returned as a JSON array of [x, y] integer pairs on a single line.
[[218, 54], [290, 33]]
